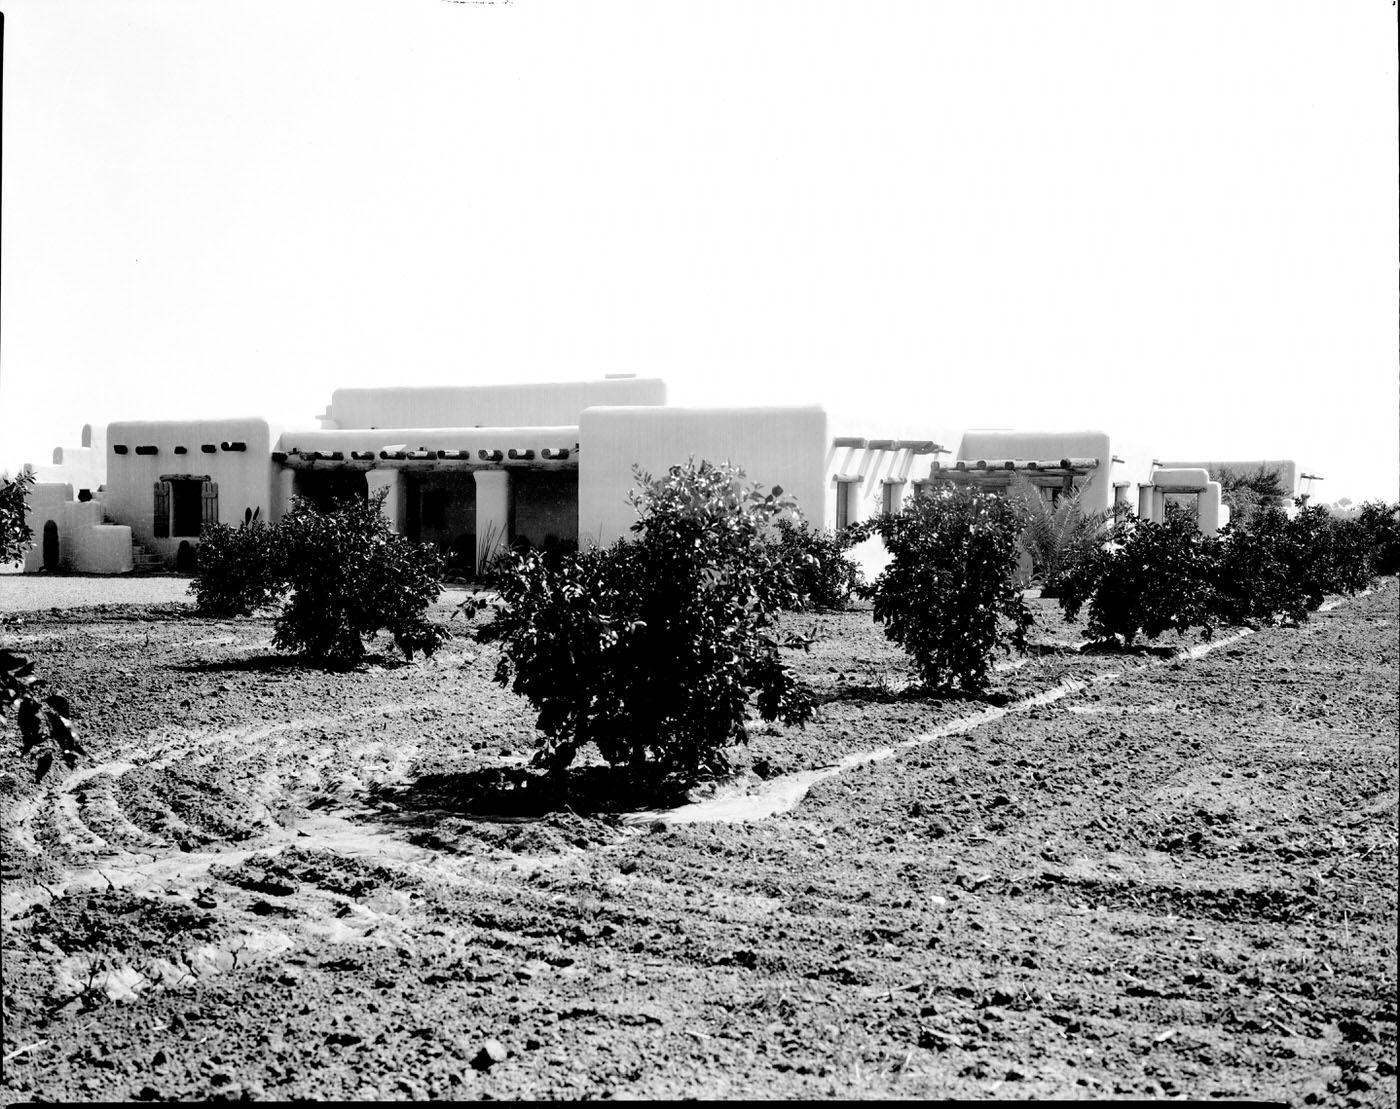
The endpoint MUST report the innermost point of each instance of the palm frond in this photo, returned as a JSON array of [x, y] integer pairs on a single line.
[[1057, 536]]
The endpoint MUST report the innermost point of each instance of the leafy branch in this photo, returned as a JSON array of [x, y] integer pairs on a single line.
[[43, 720]]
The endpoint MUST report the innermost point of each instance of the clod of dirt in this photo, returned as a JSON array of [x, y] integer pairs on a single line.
[[491, 1053]]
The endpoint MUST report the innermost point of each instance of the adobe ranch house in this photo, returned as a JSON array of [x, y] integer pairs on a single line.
[[471, 467]]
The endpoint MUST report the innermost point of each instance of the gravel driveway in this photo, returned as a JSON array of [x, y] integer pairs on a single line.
[[38, 592]]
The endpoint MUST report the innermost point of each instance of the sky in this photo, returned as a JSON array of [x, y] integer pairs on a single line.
[[1176, 223]]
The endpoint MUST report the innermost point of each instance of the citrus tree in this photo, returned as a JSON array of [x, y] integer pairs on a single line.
[[653, 648], [949, 595]]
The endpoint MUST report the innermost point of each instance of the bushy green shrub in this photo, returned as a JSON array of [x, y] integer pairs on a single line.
[[1276, 567], [1328, 555], [239, 569], [1254, 570], [1057, 537], [948, 595], [652, 648], [16, 536], [350, 576], [1379, 524], [1264, 566], [816, 565], [1153, 578]]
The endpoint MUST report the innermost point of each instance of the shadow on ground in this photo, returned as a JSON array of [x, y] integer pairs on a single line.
[[264, 663], [521, 793], [1134, 650], [883, 693]]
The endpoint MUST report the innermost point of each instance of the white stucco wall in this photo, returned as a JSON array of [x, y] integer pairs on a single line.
[[85, 544], [244, 477], [1097, 489], [80, 467], [540, 404], [774, 446], [1137, 465]]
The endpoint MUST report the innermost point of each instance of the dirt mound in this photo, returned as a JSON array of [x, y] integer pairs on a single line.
[[191, 806], [290, 870], [116, 921]]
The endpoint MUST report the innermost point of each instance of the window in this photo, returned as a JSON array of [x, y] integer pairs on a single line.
[[160, 524], [846, 490]]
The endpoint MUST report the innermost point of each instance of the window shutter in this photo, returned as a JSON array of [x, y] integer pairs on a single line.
[[162, 510], [894, 496], [209, 501], [846, 490]]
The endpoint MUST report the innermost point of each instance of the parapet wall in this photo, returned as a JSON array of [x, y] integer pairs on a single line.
[[487, 405], [774, 446]]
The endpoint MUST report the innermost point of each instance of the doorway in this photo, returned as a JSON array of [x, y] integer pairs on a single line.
[[544, 508], [51, 552], [326, 488], [186, 506], [441, 509]]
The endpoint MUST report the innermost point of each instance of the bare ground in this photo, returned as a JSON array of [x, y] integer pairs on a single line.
[[1170, 876]]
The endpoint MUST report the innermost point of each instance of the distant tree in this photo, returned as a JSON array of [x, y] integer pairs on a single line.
[[16, 536], [948, 595], [1246, 493], [239, 569], [1379, 525], [819, 572], [347, 575], [1155, 578]]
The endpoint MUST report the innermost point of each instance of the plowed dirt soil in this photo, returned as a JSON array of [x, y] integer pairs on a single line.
[[1134, 874]]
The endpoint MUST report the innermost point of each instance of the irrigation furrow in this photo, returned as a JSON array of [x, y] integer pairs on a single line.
[[782, 794], [190, 749]]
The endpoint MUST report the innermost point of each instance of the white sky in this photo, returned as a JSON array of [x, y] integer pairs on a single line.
[[1175, 222]]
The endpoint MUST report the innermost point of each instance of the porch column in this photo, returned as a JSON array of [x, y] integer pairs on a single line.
[[1208, 508], [395, 504], [847, 502], [1145, 501], [492, 513], [283, 489], [893, 490]]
